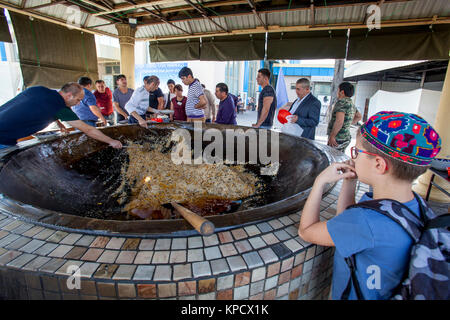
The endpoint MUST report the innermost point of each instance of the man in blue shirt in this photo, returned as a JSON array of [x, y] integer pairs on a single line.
[[227, 109], [87, 109], [267, 101], [35, 108]]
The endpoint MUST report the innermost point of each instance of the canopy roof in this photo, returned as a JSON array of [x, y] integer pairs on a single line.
[[169, 19]]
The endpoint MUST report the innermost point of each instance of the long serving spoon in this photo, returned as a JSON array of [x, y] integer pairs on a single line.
[[203, 226]]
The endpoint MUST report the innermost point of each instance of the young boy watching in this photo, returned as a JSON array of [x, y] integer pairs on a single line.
[[392, 149]]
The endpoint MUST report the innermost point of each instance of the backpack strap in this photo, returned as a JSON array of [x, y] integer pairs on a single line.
[[399, 213], [351, 263], [391, 209], [442, 221]]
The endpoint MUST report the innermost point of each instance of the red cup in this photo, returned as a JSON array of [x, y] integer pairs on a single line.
[[282, 114], [448, 172]]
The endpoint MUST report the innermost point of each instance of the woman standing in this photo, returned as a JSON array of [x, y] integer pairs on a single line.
[[178, 105]]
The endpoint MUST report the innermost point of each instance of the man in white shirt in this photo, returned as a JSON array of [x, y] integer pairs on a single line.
[[138, 104]]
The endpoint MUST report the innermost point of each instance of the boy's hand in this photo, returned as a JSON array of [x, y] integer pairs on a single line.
[[336, 172], [351, 163]]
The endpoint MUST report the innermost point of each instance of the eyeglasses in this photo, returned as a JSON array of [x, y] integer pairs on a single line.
[[354, 152]]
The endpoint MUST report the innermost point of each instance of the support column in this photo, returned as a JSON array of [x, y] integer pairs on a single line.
[[127, 62], [442, 127]]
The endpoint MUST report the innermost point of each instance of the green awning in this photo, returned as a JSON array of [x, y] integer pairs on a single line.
[[52, 55], [307, 45], [405, 43], [174, 50], [4, 30], [233, 48]]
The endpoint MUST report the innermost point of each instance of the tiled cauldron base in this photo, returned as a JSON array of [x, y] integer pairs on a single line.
[[266, 260]]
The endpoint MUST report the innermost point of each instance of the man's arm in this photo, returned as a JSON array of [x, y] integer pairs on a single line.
[[62, 127], [340, 117], [140, 120], [132, 104], [95, 134], [161, 103], [119, 110], [95, 110], [287, 106], [212, 106], [265, 111], [357, 117], [202, 103]]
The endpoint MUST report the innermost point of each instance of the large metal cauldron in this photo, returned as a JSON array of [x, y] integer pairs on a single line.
[[66, 182]]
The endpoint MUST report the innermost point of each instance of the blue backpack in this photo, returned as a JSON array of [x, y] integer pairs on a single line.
[[427, 277]]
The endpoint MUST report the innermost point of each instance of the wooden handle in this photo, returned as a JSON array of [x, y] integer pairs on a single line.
[[203, 226]]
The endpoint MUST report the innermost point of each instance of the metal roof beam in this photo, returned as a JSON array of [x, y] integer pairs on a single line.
[[149, 3], [212, 4], [95, 4], [84, 8], [252, 5], [204, 15], [58, 21], [108, 4], [162, 18], [338, 26], [52, 3]]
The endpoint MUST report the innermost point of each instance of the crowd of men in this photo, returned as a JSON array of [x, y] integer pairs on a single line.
[[86, 105]]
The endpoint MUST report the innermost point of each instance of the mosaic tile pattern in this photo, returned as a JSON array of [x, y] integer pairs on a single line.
[[267, 260]]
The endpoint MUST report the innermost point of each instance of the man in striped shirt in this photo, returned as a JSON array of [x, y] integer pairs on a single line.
[[196, 100]]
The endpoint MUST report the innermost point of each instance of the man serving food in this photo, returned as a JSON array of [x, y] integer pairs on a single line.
[[139, 102]]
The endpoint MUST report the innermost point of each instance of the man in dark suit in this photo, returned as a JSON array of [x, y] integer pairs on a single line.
[[305, 109]]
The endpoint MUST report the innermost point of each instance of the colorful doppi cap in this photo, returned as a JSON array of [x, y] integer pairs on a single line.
[[403, 136]]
